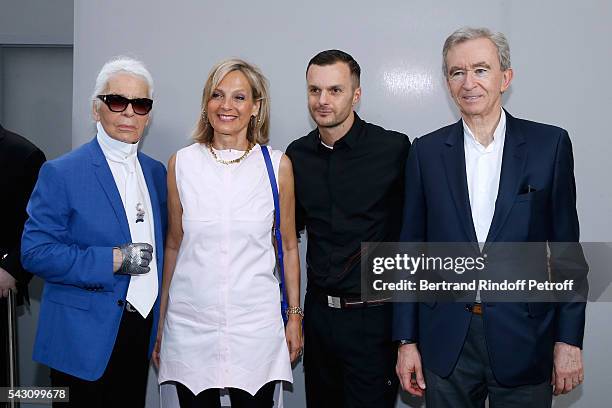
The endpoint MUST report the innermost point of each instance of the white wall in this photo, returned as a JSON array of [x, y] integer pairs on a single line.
[[36, 22], [560, 55]]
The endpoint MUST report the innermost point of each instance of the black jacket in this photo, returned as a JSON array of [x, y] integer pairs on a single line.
[[20, 162]]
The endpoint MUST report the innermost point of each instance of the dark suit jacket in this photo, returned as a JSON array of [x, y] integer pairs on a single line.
[[20, 162], [520, 336]]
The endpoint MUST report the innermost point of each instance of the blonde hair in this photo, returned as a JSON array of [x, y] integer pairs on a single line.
[[258, 128]]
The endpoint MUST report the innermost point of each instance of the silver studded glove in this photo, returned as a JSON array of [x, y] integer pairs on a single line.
[[136, 258]]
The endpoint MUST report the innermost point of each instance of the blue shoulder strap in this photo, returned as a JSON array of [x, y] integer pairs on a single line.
[[277, 231]]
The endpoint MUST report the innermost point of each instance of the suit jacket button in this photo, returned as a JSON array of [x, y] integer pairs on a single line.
[[120, 303]]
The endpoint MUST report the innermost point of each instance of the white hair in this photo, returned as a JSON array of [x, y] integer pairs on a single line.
[[119, 65]]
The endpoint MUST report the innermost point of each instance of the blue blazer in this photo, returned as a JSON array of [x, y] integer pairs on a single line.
[[520, 336], [75, 219]]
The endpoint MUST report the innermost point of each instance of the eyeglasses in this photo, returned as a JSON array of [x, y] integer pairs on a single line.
[[118, 103], [459, 75]]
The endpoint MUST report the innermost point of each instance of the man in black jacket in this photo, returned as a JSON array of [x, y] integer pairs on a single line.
[[20, 161]]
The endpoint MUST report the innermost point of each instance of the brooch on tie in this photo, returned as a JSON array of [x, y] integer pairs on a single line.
[[139, 213]]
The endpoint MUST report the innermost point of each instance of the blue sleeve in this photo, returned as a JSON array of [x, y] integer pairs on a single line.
[[49, 250]]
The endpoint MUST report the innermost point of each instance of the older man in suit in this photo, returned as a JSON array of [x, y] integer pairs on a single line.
[[95, 234], [489, 178]]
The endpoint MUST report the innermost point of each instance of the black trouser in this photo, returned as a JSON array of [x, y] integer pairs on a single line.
[[124, 381], [210, 398], [349, 358], [472, 380], [4, 342]]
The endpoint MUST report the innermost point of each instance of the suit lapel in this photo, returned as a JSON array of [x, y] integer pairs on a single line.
[[107, 181], [513, 164], [148, 176], [453, 158]]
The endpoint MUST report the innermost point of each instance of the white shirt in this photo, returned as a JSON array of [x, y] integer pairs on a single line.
[[129, 179], [483, 171]]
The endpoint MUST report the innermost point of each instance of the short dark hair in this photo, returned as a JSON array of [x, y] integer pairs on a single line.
[[330, 57]]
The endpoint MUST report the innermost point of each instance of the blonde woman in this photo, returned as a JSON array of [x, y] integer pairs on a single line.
[[220, 307]]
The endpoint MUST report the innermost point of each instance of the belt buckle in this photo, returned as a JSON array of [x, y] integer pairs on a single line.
[[334, 301], [477, 308]]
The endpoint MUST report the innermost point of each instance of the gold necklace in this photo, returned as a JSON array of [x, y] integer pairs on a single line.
[[234, 161]]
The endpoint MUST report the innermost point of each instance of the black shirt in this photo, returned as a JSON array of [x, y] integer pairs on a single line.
[[347, 195]]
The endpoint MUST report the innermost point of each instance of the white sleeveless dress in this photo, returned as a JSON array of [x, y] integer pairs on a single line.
[[223, 325]]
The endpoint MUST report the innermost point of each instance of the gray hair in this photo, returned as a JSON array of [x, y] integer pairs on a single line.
[[468, 33], [119, 65]]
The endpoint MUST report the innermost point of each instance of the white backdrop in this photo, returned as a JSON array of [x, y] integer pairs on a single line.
[[560, 54]]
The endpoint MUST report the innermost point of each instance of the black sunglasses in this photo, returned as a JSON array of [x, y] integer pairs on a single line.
[[118, 103]]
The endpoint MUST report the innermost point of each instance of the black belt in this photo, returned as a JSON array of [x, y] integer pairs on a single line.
[[342, 302]]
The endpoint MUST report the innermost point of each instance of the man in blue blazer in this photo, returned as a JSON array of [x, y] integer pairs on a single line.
[[489, 178], [95, 234]]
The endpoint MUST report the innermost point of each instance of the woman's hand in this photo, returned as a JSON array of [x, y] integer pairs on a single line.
[[293, 334], [157, 347]]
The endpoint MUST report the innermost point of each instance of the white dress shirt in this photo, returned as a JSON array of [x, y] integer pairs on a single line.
[[483, 170]]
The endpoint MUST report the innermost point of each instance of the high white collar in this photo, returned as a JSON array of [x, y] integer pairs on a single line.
[[115, 150]]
